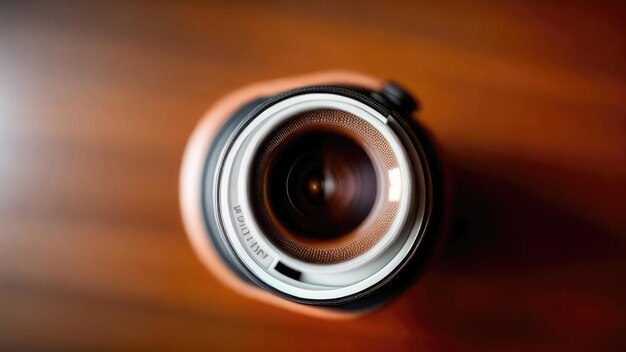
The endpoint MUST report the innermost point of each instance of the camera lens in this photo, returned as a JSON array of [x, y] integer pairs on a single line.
[[321, 195]]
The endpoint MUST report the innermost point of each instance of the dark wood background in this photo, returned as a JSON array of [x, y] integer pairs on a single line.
[[97, 102]]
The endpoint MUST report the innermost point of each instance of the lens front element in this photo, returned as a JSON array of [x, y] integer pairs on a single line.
[[320, 187]]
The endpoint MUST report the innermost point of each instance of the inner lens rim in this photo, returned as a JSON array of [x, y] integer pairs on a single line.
[[376, 224]]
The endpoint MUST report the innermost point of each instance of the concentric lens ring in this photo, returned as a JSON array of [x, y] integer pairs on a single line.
[[370, 228]]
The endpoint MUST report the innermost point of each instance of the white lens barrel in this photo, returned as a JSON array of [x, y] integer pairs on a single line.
[[265, 261]]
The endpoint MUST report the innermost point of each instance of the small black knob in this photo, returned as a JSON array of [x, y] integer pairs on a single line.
[[399, 98]]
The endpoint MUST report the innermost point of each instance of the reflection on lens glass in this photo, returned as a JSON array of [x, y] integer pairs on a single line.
[[321, 185]]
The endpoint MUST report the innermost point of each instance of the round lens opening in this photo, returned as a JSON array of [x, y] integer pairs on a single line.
[[321, 184]]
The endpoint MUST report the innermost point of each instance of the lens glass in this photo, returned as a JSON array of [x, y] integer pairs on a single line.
[[321, 184]]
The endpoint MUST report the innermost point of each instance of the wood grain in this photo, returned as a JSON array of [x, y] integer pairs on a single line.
[[97, 102]]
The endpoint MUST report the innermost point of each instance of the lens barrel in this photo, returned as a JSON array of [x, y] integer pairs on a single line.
[[324, 195]]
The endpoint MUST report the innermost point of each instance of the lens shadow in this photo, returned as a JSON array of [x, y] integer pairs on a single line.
[[518, 269]]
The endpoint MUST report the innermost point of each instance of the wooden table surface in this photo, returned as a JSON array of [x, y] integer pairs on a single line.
[[97, 102]]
